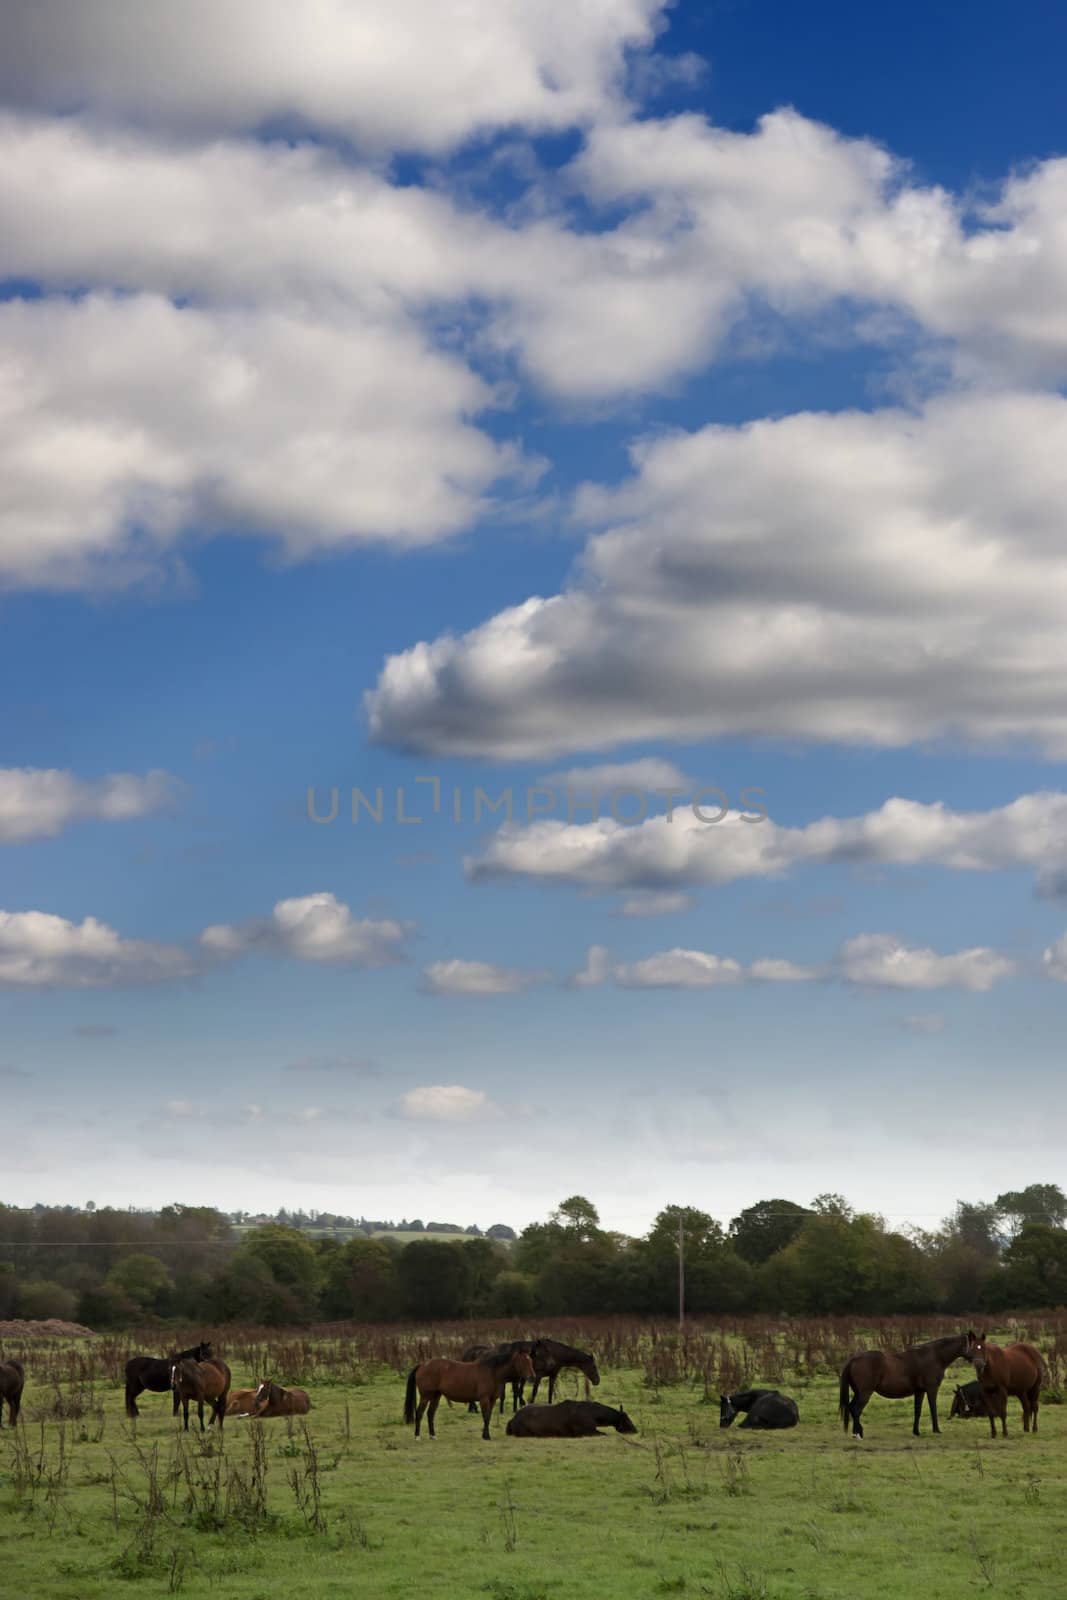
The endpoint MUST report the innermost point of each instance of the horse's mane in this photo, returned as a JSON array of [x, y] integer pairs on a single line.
[[567, 1350], [500, 1358]]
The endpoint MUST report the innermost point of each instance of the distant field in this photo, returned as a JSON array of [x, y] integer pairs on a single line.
[[95, 1507], [402, 1236]]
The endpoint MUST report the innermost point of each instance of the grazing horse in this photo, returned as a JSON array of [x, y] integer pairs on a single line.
[[895, 1374], [967, 1400], [482, 1380], [12, 1379], [146, 1372], [549, 1357], [763, 1408], [568, 1419], [1016, 1369], [271, 1400], [478, 1352], [200, 1381]]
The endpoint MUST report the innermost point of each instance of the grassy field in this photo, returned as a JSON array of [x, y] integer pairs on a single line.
[[345, 1502]]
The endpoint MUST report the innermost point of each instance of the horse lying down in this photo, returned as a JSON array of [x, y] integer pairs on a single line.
[[967, 1401], [764, 1408], [270, 1400], [568, 1419]]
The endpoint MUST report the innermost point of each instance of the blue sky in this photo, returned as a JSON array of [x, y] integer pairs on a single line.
[[563, 415]]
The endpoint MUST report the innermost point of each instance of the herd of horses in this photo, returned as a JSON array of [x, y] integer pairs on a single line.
[[481, 1376]]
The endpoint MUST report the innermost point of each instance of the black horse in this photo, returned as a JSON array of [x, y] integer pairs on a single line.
[[479, 1352], [967, 1401], [148, 1372], [568, 1419], [12, 1379], [549, 1358], [763, 1408]]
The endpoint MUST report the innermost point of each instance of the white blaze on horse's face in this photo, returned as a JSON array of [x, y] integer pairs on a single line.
[[978, 1356]]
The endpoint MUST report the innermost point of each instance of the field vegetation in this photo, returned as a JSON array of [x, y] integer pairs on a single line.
[[345, 1502]]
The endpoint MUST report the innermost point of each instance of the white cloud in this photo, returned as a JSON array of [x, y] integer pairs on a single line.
[[679, 969], [1054, 960], [37, 803], [880, 578], [478, 978], [127, 421], [874, 960], [882, 961], [313, 927], [42, 951], [645, 774], [426, 74], [658, 855], [446, 1103]]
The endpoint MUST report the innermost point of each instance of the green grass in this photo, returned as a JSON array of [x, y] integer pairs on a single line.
[[682, 1509]]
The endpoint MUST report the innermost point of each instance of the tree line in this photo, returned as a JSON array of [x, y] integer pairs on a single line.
[[111, 1268]]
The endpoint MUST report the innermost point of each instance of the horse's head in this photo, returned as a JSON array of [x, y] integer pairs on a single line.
[[523, 1366], [977, 1351], [727, 1412], [203, 1352], [624, 1425], [590, 1370], [178, 1371], [261, 1398], [958, 1404]]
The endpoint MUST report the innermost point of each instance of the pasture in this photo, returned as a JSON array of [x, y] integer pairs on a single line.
[[344, 1501]]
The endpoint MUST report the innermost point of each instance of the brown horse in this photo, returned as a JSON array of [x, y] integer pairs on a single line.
[[895, 1374], [239, 1402], [271, 1400], [200, 1381], [1016, 1369], [12, 1379], [482, 1380]]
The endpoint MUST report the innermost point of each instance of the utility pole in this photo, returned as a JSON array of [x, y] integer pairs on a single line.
[[681, 1269]]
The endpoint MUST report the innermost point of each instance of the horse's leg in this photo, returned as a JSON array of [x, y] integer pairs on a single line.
[[185, 1411], [855, 1410], [200, 1414], [931, 1400], [431, 1413], [551, 1387], [918, 1411], [132, 1391], [487, 1412], [423, 1403]]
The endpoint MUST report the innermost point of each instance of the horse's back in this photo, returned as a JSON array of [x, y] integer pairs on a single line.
[[772, 1410]]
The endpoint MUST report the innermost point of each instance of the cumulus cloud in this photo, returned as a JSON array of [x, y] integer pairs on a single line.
[[871, 960], [478, 978], [313, 927], [422, 75], [446, 1103], [660, 855], [128, 420], [867, 578], [38, 803], [42, 951], [882, 961]]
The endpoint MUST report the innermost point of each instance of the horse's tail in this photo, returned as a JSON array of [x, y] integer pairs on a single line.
[[843, 1395], [409, 1398]]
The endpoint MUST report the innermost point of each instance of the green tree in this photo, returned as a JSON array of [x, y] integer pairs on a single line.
[[361, 1282], [1043, 1203], [1036, 1267], [41, 1300], [435, 1280], [760, 1230], [141, 1279]]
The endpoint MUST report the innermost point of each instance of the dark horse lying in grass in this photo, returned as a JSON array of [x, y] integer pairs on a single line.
[[147, 1372], [1016, 1369], [764, 1408], [568, 1419], [967, 1401], [482, 1381], [895, 1374], [12, 1379]]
